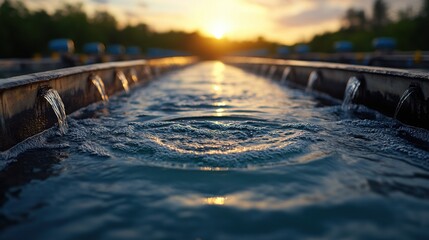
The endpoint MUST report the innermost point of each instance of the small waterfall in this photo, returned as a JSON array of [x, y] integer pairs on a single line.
[[285, 76], [157, 71], [147, 72], [54, 99], [312, 80], [98, 83], [272, 71], [405, 96], [121, 76], [351, 92], [133, 75]]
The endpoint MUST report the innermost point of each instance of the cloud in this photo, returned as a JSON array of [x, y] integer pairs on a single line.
[[131, 13], [100, 1], [313, 16], [307, 13]]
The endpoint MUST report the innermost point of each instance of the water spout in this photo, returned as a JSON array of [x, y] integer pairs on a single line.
[[407, 96], [133, 75], [54, 99], [351, 92], [121, 76], [285, 76], [98, 83], [312, 80], [272, 71], [157, 71], [147, 72]]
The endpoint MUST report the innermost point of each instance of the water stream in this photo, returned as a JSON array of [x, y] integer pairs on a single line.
[[98, 83], [405, 96], [133, 75], [286, 72], [214, 152], [312, 81], [121, 76], [54, 99], [271, 72], [350, 92]]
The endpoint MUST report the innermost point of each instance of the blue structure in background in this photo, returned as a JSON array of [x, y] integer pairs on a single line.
[[61, 45], [252, 53], [94, 48], [160, 52], [282, 51], [133, 50], [384, 44], [343, 46], [115, 49], [302, 48]]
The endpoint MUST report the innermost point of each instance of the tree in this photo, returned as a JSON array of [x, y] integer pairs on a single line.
[[15, 30], [103, 28], [425, 9], [354, 19], [135, 35], [380, 13], [406, 14], [72, 22]]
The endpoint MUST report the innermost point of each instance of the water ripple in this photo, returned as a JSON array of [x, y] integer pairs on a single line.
[[212, 152]]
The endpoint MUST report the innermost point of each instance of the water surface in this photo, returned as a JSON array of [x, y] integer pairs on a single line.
[[212, 152]]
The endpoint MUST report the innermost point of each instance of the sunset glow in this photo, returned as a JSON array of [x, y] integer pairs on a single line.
[[218, 30], [285, 21]]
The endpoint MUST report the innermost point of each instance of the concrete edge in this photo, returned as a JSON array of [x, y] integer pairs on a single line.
[[382, 88], [24, 112]]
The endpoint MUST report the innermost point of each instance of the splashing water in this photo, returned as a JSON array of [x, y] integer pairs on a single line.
[[272, 71], [285, 75], [133, 75], [121, 76], [98, 83], [202, 144], [57, 105], [351, 92], [156, 72], [314, 77], [404, 98], [147, 72]]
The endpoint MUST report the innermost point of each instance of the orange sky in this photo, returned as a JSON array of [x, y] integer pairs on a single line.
[[285, 21]]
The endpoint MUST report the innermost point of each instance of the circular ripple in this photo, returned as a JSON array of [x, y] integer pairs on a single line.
[[213, 142]]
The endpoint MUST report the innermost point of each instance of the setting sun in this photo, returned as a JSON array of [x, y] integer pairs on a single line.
[[218, 30]]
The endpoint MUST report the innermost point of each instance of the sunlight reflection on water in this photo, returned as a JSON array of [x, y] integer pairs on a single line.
[[212, 152]]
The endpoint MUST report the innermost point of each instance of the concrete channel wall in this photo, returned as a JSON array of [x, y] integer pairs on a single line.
[[381, 88], [24, 112]]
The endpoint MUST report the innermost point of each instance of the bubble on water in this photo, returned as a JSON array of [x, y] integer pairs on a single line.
[[94, 149], [39, 141], [225, 144]]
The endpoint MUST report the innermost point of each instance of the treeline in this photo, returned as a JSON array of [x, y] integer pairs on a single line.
[[409, 28], [25, 33]]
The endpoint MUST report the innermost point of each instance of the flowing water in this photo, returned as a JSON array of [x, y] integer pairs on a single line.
[[405, 96], [285, 75], [212, 152], [312, 80], [98, 83], [121, 76], [350, 93], [54, 99], [272, 71]]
